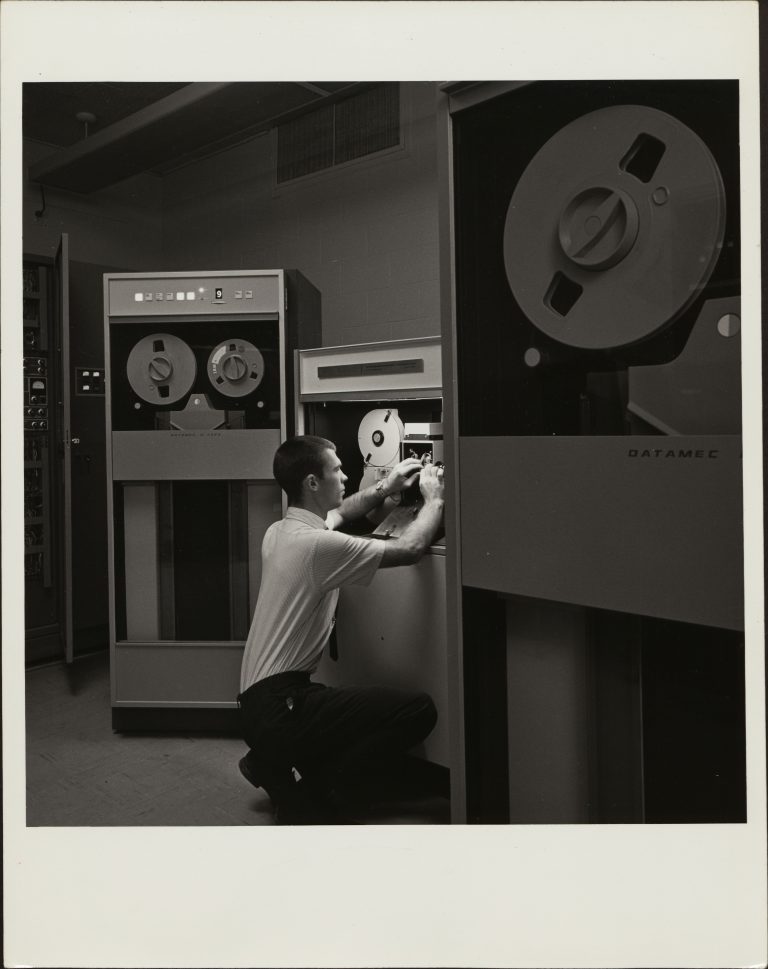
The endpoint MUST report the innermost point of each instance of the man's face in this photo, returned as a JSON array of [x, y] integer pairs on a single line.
[[331, 486]]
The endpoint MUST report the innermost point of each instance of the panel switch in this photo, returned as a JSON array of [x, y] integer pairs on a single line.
[[89, 381]]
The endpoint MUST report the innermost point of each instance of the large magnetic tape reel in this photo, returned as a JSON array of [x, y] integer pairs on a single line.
[[614, 228]]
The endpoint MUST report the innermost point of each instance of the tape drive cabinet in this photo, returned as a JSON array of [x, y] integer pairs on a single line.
[[597, 285], [199, 398]]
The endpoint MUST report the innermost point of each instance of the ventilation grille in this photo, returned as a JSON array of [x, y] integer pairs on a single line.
[[334, 134]]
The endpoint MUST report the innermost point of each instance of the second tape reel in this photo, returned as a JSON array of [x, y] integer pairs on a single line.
[[235, 368], [379, 437]]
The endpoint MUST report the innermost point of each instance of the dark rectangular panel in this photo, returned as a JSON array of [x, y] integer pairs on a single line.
[[693, 724], [140, 562], [486, 716], [202, 560], [370, 369]]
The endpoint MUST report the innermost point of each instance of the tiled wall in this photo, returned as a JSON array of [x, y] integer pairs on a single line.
[[118, 226], [366, 235]]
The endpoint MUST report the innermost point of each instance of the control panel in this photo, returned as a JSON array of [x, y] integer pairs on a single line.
[[35, 394], [37, 434], [89, 381], [190, 295]]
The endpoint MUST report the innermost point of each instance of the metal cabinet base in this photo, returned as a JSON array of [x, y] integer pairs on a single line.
[[165, 719]]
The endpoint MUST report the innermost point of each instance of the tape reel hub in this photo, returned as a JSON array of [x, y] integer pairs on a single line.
[[233, 367], [598, 227], [614, 227], [160, 369]]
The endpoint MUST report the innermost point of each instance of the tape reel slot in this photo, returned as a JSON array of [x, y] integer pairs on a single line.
[[643, 157]]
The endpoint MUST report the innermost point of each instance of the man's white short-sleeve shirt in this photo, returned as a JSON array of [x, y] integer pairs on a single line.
[[303, 566]]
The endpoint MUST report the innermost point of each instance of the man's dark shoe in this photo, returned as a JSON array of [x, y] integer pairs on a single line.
[[248, 772], [295, 801], [277, 782]]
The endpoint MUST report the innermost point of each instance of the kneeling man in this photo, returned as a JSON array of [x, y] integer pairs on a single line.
[[308, 741]]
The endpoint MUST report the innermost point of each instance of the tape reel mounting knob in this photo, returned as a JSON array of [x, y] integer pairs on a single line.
[[160, 368], [234, 368], [614, 227], [598, 227]]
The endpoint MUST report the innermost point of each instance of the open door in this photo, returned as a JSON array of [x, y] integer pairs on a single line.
[[67, 442]]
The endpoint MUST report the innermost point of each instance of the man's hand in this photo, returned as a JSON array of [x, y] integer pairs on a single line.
[[402, 475], [431, 483], [418, 536]]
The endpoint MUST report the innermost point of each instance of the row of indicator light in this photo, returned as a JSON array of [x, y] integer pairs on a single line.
[[169, 297], [188, 295]]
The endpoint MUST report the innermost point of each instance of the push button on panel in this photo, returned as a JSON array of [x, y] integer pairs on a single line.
[[89, 382]]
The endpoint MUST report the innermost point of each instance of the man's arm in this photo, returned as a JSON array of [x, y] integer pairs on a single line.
[[359, 504], [419, 535]]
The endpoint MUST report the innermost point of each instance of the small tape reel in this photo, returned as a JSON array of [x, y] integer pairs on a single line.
[[161, 368], [379, 437], [235, 368], [614, 227]]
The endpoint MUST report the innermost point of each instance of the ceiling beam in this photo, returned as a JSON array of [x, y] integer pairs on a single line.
[[63, 169]]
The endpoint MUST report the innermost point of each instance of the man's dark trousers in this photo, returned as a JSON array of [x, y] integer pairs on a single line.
[[330, 735]]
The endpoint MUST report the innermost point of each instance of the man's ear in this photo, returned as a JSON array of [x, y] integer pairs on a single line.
[[311, 482]]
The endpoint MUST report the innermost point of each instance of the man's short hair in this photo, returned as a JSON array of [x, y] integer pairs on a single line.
[[296, 458]]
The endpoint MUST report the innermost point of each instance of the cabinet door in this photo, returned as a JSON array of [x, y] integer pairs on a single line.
[[90, 588], [41, 597], [62, 295]]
